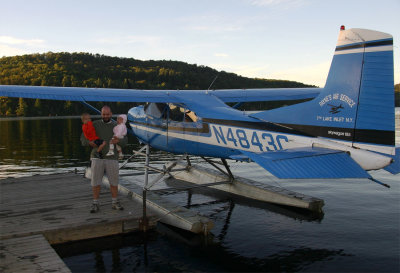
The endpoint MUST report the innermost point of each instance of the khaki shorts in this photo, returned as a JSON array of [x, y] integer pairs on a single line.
[[100, 167]]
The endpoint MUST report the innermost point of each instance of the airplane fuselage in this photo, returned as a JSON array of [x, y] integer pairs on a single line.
[[227, 138]]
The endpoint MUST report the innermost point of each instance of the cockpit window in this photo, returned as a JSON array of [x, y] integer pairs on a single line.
[[181, 113], [170, 111], [176, 113], [190, 116], [156, 110]]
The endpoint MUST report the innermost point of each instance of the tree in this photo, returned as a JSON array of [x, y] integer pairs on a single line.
[[67, 107], [22, 107], [66, 81], [37, 106]]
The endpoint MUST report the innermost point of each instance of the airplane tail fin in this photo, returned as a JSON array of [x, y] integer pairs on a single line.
[[357, 102]]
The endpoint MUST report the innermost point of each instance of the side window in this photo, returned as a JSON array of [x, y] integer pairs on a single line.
[[171, 111], [156, 110], [190, 116], [180, 113], [176, 113]]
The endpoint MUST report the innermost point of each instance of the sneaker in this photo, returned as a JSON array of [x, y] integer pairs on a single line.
[[94, 208], [110, 152], [120, 156], [117, 206]]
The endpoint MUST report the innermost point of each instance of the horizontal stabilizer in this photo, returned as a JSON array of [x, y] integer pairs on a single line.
[[394, 168], [304, 163]]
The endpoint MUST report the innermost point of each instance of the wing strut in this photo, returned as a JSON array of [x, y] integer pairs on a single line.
[[90, 106]]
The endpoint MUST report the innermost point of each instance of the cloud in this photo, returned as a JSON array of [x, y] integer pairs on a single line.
[[210, 23], [252, 71], [286, 4], [8, 40], [6, 50], [312, 74], [223, 55], [215, 28], [131, 39], [11, 46]]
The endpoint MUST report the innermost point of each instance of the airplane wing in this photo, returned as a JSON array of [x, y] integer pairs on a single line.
[[85, 94], [137, 95], [265, 94], [307, 163]]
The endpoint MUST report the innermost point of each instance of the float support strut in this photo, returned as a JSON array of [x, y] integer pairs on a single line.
[[145, 221]]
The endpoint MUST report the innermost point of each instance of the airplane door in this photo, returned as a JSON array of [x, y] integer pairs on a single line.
[[182, 131], [157, 125], [191, 129]]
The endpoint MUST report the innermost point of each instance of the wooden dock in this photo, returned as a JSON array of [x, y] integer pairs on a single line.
[[167, 212], [29, 254], [39, 211], [57, 206], [42, 210]]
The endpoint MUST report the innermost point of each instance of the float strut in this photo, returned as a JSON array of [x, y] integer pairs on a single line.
[[145, 221], [231, 178], [378, 182], [189, 164]]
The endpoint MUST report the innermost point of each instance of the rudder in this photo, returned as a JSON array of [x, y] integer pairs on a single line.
[[357, 102]]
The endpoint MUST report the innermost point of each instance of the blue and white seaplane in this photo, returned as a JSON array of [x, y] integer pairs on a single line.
[[346, 128]]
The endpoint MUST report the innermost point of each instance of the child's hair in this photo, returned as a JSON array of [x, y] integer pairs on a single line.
[[84, 115]]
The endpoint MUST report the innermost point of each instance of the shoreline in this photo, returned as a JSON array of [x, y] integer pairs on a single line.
[[45, 117]]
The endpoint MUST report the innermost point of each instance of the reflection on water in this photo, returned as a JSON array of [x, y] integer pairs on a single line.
[[358, 232], [30, 147], [164, 250]]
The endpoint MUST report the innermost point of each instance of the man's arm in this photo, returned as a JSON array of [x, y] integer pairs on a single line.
[[121, 142], [86, 142]]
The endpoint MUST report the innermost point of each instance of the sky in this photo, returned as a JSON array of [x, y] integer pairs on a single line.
[[272, 39]]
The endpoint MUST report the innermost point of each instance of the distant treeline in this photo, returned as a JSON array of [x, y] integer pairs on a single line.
[[94, 70]]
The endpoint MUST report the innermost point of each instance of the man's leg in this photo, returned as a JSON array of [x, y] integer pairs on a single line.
[[97, 177], [96, 192], [114, 191], [112, 171]]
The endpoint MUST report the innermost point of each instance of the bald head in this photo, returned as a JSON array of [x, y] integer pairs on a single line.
[[106, 113]]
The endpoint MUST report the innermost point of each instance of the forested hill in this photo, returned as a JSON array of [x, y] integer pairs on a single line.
[[88, 70], [94, 70]]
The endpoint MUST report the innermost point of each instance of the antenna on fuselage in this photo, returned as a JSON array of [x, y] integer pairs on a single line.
[[212, 83]]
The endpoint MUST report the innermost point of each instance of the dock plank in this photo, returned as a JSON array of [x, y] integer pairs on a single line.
[[57, 206], [33, 254]]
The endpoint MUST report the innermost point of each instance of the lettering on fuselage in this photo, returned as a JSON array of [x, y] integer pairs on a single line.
[[257, 141], [337, 96], [336, 104]]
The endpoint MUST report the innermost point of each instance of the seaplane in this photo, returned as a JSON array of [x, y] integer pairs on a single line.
[[343, 130]]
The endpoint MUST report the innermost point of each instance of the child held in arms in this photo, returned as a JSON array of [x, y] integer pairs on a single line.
[[119, 132], [90, 133]]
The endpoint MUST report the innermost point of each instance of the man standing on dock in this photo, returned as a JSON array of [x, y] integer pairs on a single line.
[[104, 164]]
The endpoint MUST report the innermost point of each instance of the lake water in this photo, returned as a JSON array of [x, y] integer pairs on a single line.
[[359, 230]]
